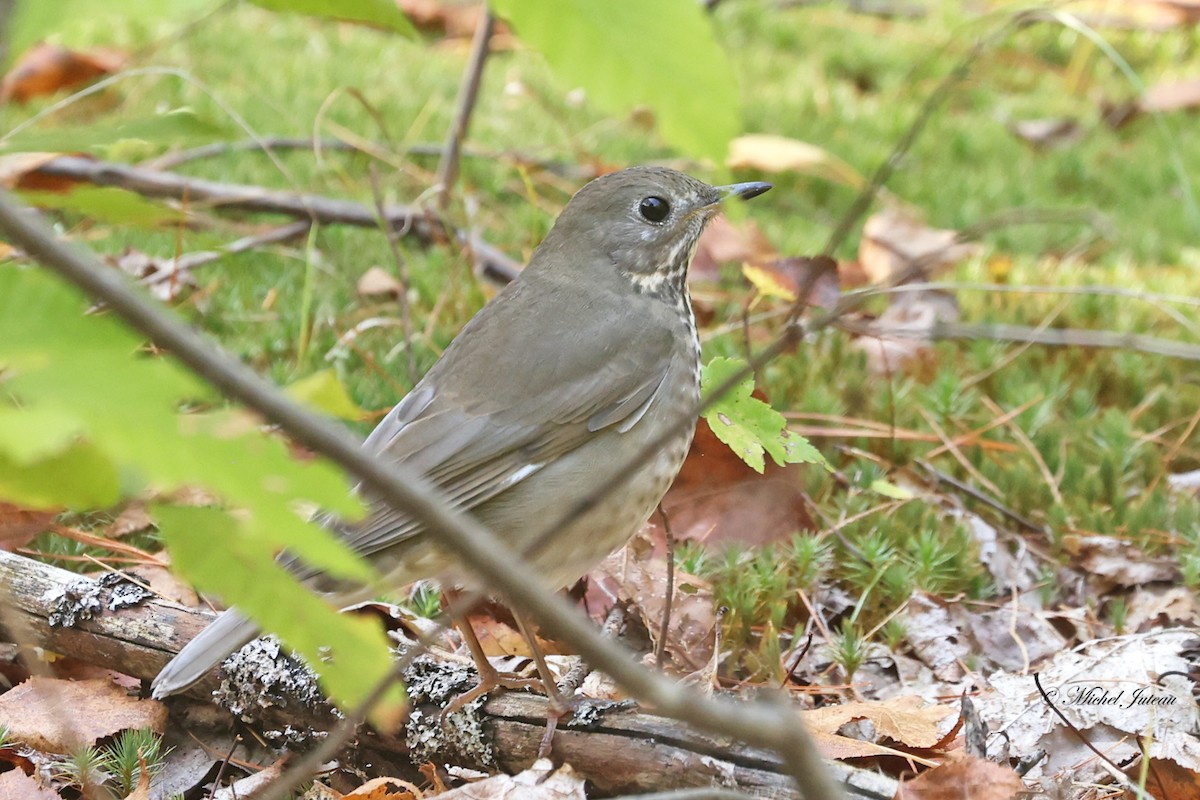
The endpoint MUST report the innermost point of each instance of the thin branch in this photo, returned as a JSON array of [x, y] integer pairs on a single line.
[[490, 262], [198, 191], [1053, 337], [393, 237], [187, 263], [468, 93], [664, 625], [1113, 769], [769, 724]]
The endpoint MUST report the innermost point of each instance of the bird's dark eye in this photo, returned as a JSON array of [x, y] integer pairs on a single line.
[[654, 209]]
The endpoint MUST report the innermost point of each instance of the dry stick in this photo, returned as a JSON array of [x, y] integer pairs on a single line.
[[1054, 337], [490, 262], [178, 158], [660, 650], [187, 263], [1112, 768], [758, 722], [393, 236], [468, 93], [986, 499], [242, 197]]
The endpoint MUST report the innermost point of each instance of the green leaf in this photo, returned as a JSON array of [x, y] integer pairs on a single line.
[[53, 357], [889, 489], [748, 425], [627, 53], [170, 127], [80, 477], [350, 653], [28, 435], [107, 204], [322, 391], [380, 13]]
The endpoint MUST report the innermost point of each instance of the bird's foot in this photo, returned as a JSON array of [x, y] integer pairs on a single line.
[[489, 680]]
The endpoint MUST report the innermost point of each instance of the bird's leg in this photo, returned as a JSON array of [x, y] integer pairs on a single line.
[[489, 678], [559, 706]]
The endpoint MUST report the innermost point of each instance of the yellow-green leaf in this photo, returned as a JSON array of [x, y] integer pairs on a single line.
[[322, 391]]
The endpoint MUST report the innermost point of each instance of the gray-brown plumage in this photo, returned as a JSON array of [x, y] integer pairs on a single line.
[[549, 391]]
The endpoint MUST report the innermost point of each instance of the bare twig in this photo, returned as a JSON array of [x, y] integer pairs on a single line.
[[265, 144], [468, 92], [1113, 769], [198, 191], [1054, 337], [664, 625], [986, 499], [187, 263], [393, 237], [771, 725], [490, 262]]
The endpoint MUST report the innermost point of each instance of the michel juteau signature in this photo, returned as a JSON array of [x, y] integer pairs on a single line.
[[1095, 695]]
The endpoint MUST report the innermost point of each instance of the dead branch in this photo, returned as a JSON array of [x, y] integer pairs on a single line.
[[425, 226], [1051, 337], [410, 220], [468, 92], [618, 751]]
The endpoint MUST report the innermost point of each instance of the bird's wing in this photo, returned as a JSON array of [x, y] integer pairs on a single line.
[[492, 418]]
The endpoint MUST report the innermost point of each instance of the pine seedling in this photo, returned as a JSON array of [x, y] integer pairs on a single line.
[[125, 758], [848, 649]]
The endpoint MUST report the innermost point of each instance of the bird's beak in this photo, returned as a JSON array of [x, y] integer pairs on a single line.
[[742, 190]]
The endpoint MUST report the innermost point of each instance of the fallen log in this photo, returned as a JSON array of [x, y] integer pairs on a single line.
[[617, 751]]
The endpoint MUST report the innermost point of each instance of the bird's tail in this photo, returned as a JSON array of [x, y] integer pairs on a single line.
[[215, 643]]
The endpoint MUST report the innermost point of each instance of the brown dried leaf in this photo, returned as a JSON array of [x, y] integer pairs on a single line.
[[1118, 562], [142, 790], [384, 789], [840, 748], [966, 777], [725, 242], [378, 282], [1047, 133], [1169, 781], [61, 716], [134, 518], [16, 785], [164, 280], [787, 278], [637, 574], [47, 69], [499, 638], [904, 330], [936, 640], [771, 153], [896, 238], [1174, 96], [452, 20], [19, 525], [718, 498], [907, 719], [1161, 606], [20, 171]]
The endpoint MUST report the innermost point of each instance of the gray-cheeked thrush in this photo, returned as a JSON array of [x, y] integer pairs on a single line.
[[552, 389]]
